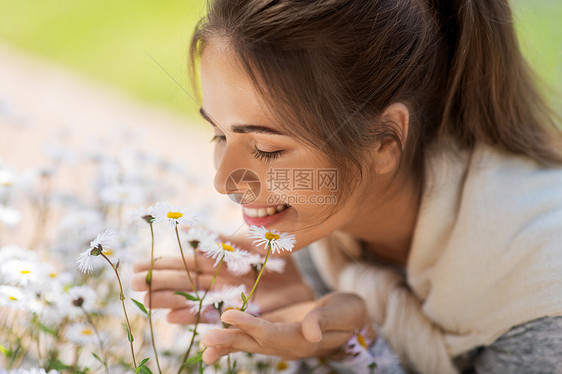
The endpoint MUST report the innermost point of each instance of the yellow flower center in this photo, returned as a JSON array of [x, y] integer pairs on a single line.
[[53, 275], [13, 298], [227, 247], [270, 236], [282, 365], [86, 331], [361, 341], [174, 215], [25, 271], [107, 251]]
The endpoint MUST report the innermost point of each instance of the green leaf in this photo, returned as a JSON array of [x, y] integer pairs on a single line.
[[6, 352], [194, 359], [129, 335], [141, 306], [148, 278], [142, 369], [46, 329], [244, 299], [59, 365], [187, 296], [98, 358]]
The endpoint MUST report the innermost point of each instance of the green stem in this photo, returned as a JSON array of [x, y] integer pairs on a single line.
[[122, 298], [185, 263], [198, 316], [150, 300], [245, 303], [100, 342]]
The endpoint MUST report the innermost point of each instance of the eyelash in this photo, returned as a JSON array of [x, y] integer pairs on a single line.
[[218, 138], [257, 153], [266, 156]]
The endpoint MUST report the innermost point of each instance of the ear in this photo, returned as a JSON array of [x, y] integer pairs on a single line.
[[387, 153]]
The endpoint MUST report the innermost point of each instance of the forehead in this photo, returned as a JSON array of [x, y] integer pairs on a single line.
[[224, 80]]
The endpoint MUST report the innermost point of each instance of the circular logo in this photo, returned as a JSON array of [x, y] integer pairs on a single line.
[[243, 186]]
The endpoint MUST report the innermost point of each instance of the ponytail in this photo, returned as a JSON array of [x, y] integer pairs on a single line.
[[490, 93]]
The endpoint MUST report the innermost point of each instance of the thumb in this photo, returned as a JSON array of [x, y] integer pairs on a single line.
[[312, 325], [336, 312]]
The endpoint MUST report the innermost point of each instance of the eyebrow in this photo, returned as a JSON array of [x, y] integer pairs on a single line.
[[243, 128]]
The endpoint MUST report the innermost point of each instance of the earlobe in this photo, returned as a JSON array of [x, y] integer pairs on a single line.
[[396, 119]]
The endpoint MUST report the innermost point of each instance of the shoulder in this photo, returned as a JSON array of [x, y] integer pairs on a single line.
[[533, 347]]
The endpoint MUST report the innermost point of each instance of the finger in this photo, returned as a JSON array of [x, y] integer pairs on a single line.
[[232, 340], [185, 316], [175, 263], [213, 354], [290, 345], [291, 313], [162, 280], [168, 262], [174, 280], [165, 299], [337, 312]]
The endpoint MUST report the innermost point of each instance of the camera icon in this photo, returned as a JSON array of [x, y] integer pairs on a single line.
[[243, 186]]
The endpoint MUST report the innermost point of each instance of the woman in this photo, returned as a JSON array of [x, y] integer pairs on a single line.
[[447, 227]]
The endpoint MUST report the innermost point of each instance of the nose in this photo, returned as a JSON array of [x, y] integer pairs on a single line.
[[235, 179], [228, 178]]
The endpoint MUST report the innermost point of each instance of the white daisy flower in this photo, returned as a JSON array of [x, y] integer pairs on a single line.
[[56, 278], [274, 264], [278, 241], [13, 252], [21, 273], [80, 333], [9, 216], [141, 215], [227, 297], [236, 259], [174, 215], [17, 298], [122, 194], [199, 238], [7, 183], [103, 242], [76, 299], [284, 366], [7, 177], [214, 297], [51, 316]]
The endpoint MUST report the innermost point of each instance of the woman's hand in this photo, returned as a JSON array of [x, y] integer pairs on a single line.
[[303, 330], [275, 290]]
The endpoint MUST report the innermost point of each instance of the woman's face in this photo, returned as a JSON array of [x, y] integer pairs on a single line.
[[297, 184]]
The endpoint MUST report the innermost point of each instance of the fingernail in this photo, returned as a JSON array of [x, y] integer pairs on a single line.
[[233, 315]]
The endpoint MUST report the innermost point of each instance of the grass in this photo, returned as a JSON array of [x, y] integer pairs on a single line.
[[111, 41], [114, 42]]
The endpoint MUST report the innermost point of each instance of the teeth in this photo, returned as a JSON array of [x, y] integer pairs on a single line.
[[264, 212]]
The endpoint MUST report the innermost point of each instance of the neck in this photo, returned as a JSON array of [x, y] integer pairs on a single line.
[[386, 220]]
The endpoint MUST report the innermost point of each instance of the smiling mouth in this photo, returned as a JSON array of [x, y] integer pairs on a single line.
[[265, 212]]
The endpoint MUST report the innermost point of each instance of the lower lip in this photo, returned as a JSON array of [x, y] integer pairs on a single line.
[[265, 221]]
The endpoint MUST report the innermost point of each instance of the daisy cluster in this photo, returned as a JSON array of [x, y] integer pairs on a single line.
[[59, 300]]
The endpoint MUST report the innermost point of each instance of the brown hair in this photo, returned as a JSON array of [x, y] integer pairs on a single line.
[[328, 69]]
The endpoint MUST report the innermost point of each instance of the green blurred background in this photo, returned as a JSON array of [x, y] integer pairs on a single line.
[[116, 42]]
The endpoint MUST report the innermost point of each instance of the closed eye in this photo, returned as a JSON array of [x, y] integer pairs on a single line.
[[218, 138], [266, 156]]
